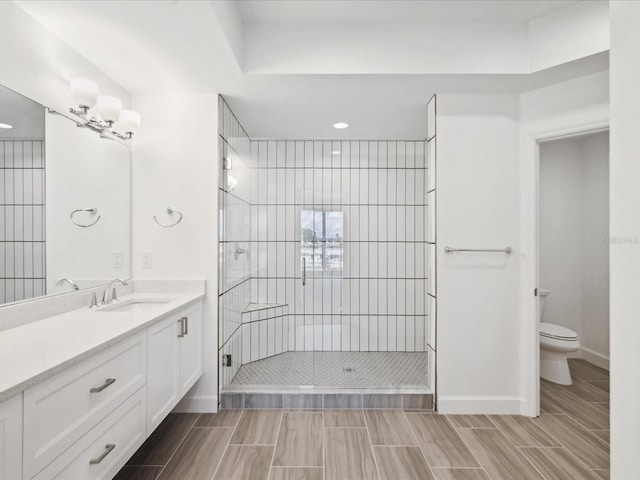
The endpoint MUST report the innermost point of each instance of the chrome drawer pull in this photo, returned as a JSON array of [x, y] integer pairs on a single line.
[[186, 325], [107, 382], [182, 332], [108, 448]]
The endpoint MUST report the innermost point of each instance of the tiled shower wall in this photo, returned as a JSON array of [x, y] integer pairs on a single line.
[[234, 202], [22, 220], [366, 284]]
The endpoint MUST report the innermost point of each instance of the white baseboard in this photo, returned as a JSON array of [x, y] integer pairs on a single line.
[[596, 358], [479, 405], [198, 404]]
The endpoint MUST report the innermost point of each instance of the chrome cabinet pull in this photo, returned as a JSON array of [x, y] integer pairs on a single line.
[[304, 271], [181, 322], [184, 326], [108, 448], [107, 382]]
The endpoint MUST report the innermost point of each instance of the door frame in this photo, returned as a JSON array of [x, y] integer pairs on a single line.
[[530, 341]]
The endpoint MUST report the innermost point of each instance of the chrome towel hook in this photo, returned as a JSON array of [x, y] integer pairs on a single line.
[[170, 211], [92, 211]]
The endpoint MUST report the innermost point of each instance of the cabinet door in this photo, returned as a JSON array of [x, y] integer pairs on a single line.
[[11, 438], [163, 370], [191, 347]]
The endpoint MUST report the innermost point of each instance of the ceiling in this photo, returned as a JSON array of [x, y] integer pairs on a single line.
[[154, 47], [358, 11]]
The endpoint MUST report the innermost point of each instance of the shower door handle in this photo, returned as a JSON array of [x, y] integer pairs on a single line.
[[304, 271]]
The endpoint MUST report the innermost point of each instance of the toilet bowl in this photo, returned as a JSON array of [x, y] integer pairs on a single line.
[[555, 342]]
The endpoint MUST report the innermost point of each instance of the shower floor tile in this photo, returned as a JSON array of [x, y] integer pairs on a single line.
[[337, 369]]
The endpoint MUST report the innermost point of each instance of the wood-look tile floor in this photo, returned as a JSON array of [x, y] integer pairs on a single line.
[[570, 440]]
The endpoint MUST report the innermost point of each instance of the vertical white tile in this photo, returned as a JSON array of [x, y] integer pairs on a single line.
[[309, 332], [254, 334], [299, 333], [392, 333], [392, 185], [374, 339], [401, 224], [401, 296], [421, 295], [401, 328], [384, 332], [263, 334], [392, 259], [411, 259], [271, 154], [382, 295], [354, 191], [355, 329], [271, 336], [373, 260], [401, 262], [327, 337], [392, 223], [246, 343]]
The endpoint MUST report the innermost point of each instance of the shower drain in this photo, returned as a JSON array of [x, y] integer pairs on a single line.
[[349, 369]]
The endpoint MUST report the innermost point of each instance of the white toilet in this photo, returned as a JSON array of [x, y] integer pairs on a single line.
[[555, 343]]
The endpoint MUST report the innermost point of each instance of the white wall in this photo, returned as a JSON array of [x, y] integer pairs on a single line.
[[573, 249], [478, 295], [176, 165], [625, 256], [574, 32], [595, 250], [84, 171]]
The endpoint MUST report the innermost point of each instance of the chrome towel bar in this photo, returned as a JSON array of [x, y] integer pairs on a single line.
[[506, 250]]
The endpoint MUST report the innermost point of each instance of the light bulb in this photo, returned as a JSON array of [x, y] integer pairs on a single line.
[[109, 108], [129, 121], [84, 92]]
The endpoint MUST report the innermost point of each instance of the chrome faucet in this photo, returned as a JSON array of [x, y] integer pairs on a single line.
[[110, 295], [69, 281]]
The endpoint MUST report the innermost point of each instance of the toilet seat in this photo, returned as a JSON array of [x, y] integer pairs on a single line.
[[551, 330]]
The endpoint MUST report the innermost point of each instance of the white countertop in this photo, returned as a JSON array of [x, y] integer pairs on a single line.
[[38, 350]]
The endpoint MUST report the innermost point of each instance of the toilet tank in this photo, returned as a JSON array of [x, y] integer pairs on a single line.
[[542, 293]]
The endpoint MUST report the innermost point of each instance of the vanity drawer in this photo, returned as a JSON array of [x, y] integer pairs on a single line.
[[106, 448], [58, 411]]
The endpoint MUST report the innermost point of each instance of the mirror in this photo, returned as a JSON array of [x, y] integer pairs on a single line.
[[50, 168]]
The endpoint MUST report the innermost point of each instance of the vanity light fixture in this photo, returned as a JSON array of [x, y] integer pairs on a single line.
[[340, 125], [102, 113], [5, 126]]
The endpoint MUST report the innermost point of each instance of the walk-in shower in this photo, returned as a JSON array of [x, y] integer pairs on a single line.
[[323, 264]]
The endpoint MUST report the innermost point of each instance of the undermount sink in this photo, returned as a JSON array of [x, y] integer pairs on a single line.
[[134, 305]]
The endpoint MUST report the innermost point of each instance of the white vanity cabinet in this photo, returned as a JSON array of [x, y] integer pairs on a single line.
[[61, 409], [85, 421], [175, 361], [11, 438]]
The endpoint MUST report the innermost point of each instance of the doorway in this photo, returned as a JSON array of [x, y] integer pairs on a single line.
[[573, 275]]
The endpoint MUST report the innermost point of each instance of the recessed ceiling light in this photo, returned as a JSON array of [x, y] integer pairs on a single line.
[[336, 152], [340, 125], [5, 125]]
